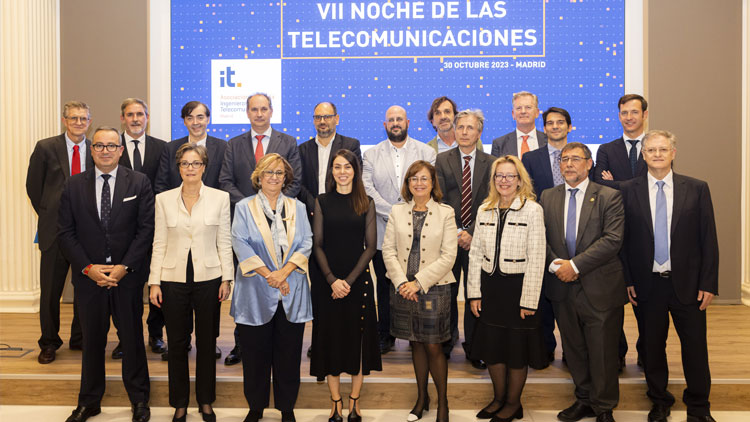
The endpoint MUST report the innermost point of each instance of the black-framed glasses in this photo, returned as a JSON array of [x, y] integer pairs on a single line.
[[194, 164], [571, 158], [108, 147], [506, 177], [319, 117], [270, 173]]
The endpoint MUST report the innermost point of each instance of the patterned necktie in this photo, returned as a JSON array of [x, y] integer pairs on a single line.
[[106, 211], [75, 165], [524, 145], [633, 156], [570, 230], [137, 162], [466, 193], [557, 178], [259, 148], [661, 241]]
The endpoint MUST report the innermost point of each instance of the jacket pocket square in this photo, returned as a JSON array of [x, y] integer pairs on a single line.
[[130, 198]]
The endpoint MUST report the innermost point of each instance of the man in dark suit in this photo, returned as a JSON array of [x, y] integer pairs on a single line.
[[196, 116], [584, 222], [671, 257], [142, 153], [525, 137], [106, 227], [621, 160], [543, 165], [53, 161], [441, 114], [240, 157], [463, 175]]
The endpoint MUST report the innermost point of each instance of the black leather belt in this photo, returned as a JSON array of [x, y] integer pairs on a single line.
[[665, 274]]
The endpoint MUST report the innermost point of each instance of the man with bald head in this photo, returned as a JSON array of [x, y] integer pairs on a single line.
[[384, 166]]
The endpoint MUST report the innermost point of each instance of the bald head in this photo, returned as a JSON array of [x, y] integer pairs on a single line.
[[396, 124]]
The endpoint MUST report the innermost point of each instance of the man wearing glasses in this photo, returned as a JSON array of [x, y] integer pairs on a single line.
[[525, 137], [584, 224], [51, 164], [383, 169]]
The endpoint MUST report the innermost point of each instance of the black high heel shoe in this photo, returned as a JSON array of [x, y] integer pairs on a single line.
[[336, 417], [486, 413], [517, 415], [416, 414], [207, 417], [353, 415], [182, 418]]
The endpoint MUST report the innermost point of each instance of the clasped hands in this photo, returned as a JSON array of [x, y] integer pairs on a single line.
[[565, 273], [277, 280], [409, 290], [340, 289], [107, 275]]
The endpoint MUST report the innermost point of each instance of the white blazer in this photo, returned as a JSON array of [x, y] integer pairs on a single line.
[[206, 232]]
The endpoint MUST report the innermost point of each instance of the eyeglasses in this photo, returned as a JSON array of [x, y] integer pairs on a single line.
[[77, 119], [652, 151], [572, 158], [506, 177], [319, 117], [199, 118], [194, 164], [109, 147], [270, 173], [415, 179]]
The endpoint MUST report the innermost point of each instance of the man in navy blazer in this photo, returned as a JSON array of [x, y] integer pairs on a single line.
[[196, 116], [106, 227], [671, 262], [525, 111], [51, 164], [243, 152]]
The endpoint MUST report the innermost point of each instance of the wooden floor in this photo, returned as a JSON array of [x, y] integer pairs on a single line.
[[728, 338]]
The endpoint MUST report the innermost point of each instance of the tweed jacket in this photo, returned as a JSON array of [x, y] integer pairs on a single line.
[[523, 249]]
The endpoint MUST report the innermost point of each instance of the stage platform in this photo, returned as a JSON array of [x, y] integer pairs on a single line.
[[25, 382]]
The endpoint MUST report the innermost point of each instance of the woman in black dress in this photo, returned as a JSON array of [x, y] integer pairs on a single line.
[[506, 266], [345, 338]]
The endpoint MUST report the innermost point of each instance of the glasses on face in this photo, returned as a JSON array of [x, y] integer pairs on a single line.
[[108, 147], [78, 119], [199, 118], [319, 117], [506, 177], [271, 173], [571, 158], [652, 151], [194, 164], [415, 179]]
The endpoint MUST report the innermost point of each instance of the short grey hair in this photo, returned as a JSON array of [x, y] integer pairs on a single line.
[[665, 133], [477, 113], [517, 95]]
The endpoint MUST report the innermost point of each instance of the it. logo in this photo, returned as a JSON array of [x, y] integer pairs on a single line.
[[225, 79]]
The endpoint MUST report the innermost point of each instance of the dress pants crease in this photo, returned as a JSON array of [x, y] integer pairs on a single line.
[[53, 270]]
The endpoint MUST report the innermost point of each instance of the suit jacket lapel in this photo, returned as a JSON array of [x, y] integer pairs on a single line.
[[642, 196], [125, 158], [265, 230], [151, 156], [678, 199], [313, 161], [290, 210], [122, 181], [338, 143], [589, 200], [89, 158], [547, 167], [558, 210], [61, 151], [388, 163], [513, 143], [480, 171], [91, 196], [457, 166]]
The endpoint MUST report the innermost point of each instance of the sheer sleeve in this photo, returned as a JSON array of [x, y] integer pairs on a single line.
[[320, 256], [371, 241]]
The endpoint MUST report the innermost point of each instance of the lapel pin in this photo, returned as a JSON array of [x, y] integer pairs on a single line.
[[591, 199]]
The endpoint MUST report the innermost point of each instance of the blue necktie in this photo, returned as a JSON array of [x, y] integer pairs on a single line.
[[661, 242], [557, 178], [570, 231], [633, 156]]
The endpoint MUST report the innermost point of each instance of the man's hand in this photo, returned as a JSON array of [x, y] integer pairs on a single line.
[[566, 272], [526, 312], [705, 298], [632, 295], [606, 175], [340, 289], [100, 274], [155, 295], [464, 240], [118, 272], [476, 307]]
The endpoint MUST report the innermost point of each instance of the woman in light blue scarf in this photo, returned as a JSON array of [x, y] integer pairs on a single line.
[[272, 239]]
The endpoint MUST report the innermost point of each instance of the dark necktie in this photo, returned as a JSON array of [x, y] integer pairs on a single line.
[[570, 230], [137, 162], [106, 211], [75, 165], [557, 178], [633, 156], [466, 193], [259, 148]]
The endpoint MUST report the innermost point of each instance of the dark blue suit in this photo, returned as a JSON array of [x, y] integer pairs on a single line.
[[613, 157], [540, 171], [168, 177]]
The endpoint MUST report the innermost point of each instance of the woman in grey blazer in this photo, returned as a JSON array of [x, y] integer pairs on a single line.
[[419, 249]]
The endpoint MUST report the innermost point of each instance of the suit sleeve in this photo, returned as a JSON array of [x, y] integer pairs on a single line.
[[247, 257], [69, 244], [35, 177], [135, 256], [390, 254], [602, 164], [355, 148], [294, 160], [382, 206], [709, 273], [434, 271], [226, 176], [496, 147], [609, 243], [161, 183]]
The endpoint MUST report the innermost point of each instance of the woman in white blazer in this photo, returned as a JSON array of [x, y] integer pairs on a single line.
[[506, 266], [191, 272], [419, 249]]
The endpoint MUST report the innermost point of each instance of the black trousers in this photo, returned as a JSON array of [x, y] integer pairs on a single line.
[[53, 269], [547, 316], [274, 346], [179, 302], [690, 324], [96, 305], [384, 287], [590, 338], [460, 266]]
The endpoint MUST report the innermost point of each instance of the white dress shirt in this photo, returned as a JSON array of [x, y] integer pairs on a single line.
[[669, 194], [398, 155], [324, 154], [638, 146], [265, 142], [130, 146], [532, 141], [100, 184], [202, 141], [81, 150], [580, 195], [442, 146]]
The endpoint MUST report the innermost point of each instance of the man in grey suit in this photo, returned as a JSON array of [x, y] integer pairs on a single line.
[[441, 115], [384, 166], [584, 222], [464, 174], [525, 137]]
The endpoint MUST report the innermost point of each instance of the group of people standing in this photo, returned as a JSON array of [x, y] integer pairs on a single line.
[[530, 232]]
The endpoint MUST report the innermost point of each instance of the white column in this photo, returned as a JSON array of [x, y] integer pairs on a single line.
[[29, 111]]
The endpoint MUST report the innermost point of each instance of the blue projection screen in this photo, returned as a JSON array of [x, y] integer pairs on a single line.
[[365, 56]]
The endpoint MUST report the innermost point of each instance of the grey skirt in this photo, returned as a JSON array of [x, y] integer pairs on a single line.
[[425, 321]]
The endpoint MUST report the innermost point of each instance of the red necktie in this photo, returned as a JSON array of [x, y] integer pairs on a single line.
[[259, 148], [75, 165], [524, 145], [466, 193]]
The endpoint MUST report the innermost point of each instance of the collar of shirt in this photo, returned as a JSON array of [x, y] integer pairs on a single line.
[[581, 186], [442, 146], [472, 154], [531, 135], [201, 142], [141, 139], [552, 149], [71, 144], [626, 138], [98, 172], [317, 141], [267, 133], [393, 148], [667, 180]]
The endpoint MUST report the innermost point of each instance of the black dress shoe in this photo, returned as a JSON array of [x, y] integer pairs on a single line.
[[46, 356], [253, 416], [81, 413], [234, 357], [157, 344], [141, 412], [218, 353], [478, 364], [658, 413], [518, 414], [309, 352], [207, 417], [489, 411], [605, 417], [288, 416], [165, 355], [117, 352], [576, 412], [705, 418]]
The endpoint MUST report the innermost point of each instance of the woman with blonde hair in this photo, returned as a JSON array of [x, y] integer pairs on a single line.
[[506, 267]]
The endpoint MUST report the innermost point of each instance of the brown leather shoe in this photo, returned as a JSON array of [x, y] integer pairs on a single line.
[[46, 356]]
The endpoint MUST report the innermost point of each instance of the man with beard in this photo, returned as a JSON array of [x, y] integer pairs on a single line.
[[440, 115], [383, 174], [525, 137]]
